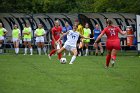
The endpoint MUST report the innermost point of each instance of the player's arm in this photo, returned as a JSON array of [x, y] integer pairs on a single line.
[[121, 32], [5, 31], [19, 35], [36, 34], [84, 37], [43, 33], [64, 34]]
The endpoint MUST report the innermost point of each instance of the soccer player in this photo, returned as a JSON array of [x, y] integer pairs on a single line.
[[27, 38], [39, 33], [56, 31], [66, 28], [70, 44], [97, 32], [112, 43], [3, 32], [87, 33], [16, 38]]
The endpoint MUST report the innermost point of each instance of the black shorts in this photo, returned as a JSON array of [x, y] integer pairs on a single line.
[[79, 40]]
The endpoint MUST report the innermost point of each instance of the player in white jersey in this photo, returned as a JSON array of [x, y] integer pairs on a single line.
[[70, 44]]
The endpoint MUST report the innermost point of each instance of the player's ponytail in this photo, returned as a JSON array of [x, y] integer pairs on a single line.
[[109, 22]]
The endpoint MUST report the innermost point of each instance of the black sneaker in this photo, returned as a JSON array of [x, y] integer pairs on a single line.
[[102, 54], [96, 54]]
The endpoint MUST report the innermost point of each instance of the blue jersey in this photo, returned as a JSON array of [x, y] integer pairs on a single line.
[[64, 30], [97, 32]]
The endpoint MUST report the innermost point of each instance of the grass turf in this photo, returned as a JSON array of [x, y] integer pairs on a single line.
[[38, 74]]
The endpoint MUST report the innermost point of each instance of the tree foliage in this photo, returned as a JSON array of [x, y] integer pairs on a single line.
[[69, 6]]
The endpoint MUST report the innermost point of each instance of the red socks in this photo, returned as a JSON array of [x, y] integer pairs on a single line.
[[108, 57], [53, 52], [59, 56]]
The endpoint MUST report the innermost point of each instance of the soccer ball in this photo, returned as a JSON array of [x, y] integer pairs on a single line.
[[63, 60]]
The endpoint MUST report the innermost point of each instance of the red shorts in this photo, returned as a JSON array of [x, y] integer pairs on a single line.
[[53, 43], [113, 44]]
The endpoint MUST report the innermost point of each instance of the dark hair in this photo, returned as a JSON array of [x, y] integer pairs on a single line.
[[109, 22]]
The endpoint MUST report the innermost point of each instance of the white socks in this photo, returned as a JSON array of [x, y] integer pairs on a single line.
[[86, 52], [16, 50], [72, 59], [39, 51], [44, 49], [25, 50], [31, 51]]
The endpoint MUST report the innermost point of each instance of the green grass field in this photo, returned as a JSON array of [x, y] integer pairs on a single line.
[[38, 74]]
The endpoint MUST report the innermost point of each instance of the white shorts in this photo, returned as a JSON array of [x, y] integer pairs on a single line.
[[1, 38], [27, 39], [15, 39], [68, 47], [40, 39]]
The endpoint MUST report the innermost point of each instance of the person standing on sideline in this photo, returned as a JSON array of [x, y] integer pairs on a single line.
[[71, 43], [112, 43], [56, 31], [87, 33], [27, 35], [79, 42], [39, 33], [65, 29], [97, 32], [16, 38], [3, 32]]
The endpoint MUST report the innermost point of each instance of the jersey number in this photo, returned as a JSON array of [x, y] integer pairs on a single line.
[[112, 32], [73, 37]]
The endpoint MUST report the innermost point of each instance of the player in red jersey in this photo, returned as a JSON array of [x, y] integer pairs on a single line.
[[56, 31], [113, 41]]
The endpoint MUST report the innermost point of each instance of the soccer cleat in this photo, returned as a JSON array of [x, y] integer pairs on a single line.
[[31, 54], [106, 67], [24, 54], [101, 54], [70, 63], [49, 56]]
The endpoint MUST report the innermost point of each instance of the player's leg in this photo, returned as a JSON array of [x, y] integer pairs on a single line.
[[59, 45], [108, 57], [101, 48], [116, 46], [30, 46], [59, 52], [39, 47], [80, 48], [54, 49], [86, 45], [109, 49], [113, 56], [17, 46], [74, 51], [44, 48], [96, 49], [1, 44], [14, 43], [25, 44]]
